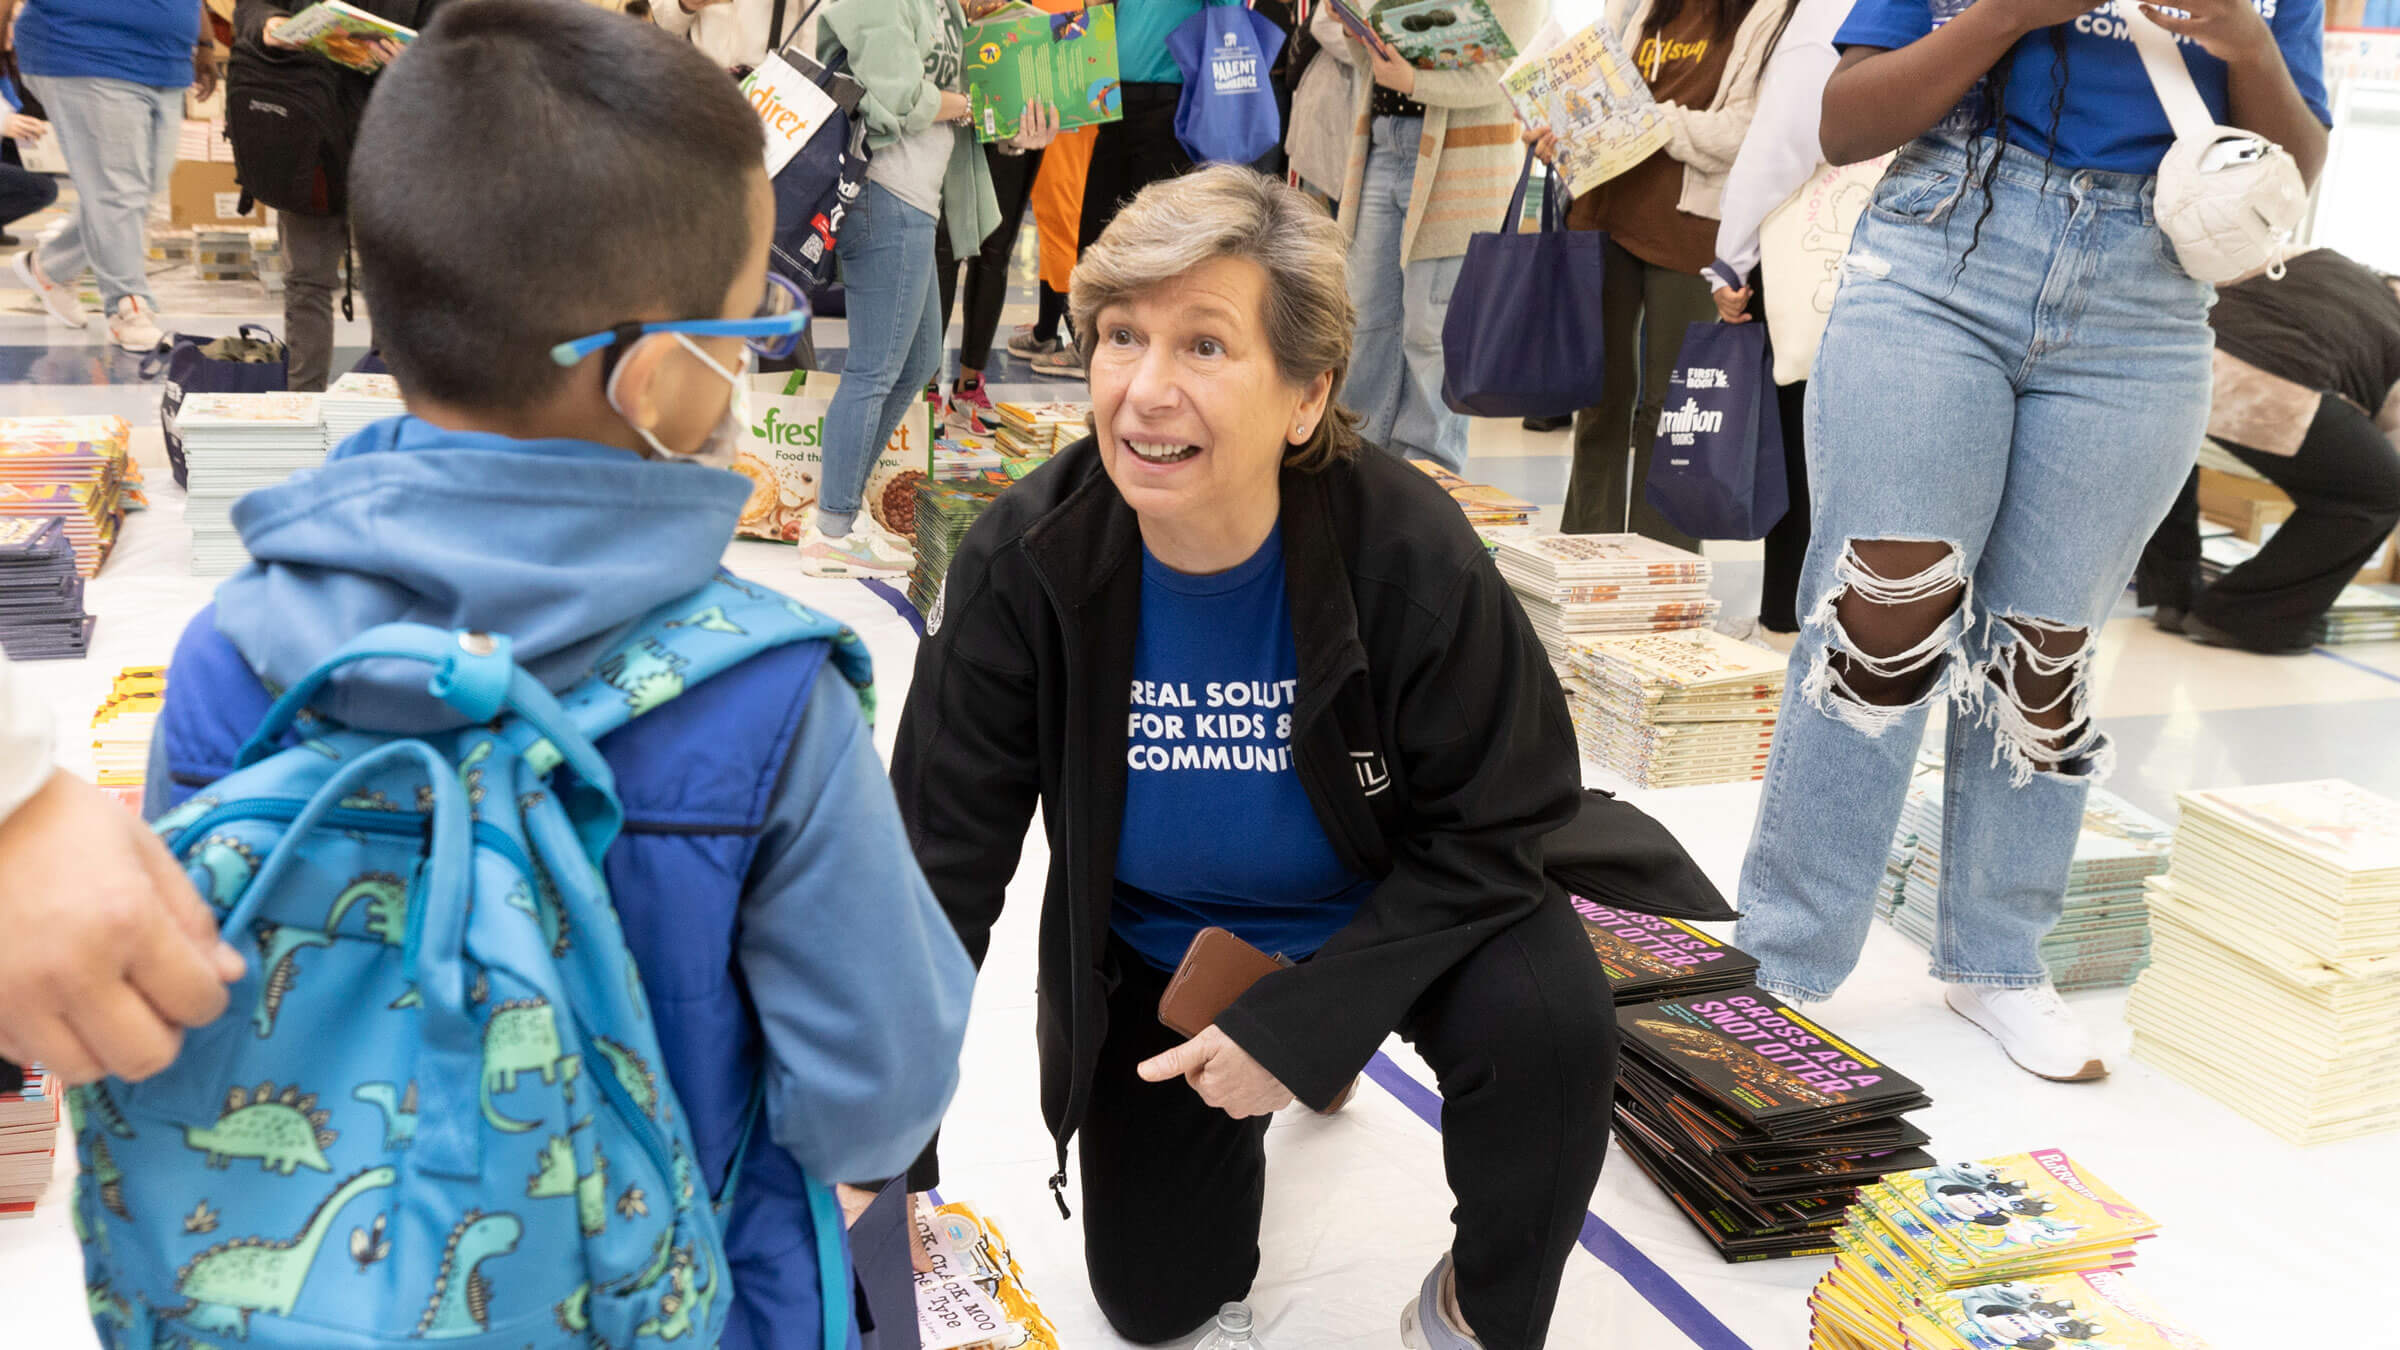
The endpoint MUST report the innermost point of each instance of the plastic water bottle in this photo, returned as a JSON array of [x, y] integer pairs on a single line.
[[1232, 1331]]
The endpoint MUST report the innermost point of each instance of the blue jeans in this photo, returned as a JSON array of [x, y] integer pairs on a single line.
[[2035, 414], [119, 141], [1395, 382], [895, 318]]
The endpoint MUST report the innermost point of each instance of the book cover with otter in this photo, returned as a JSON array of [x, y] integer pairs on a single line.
[[1769, 1066]]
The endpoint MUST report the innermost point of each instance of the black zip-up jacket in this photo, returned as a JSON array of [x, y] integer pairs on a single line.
[[1430, 734]]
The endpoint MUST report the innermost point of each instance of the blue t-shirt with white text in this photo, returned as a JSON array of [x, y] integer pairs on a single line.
[[143, 41], [1218, 831], [2111, 119]]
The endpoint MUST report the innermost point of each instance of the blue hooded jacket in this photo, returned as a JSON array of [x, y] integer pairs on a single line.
[[766, 886]]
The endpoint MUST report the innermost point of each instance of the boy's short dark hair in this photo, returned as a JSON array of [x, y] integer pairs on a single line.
[[536, 170]]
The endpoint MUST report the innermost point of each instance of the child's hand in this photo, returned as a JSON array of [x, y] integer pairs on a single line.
[[1037, 129], [1733, 306]]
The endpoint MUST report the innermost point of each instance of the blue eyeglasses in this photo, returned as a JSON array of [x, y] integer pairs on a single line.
[[773, 332]]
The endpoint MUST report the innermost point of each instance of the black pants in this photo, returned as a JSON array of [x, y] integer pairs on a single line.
[[1524, 1042], [1787, 543], [2345, 489], [23, 192], [1131, 154], [1644, 310], [881, 1247], [987, 271]]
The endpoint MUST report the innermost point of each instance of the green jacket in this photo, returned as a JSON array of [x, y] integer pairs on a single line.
[[886, 43]]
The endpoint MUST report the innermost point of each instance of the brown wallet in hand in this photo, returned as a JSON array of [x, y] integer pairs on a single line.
[[1217, 969]]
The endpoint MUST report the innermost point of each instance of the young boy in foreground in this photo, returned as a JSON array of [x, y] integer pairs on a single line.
[[546, 196]]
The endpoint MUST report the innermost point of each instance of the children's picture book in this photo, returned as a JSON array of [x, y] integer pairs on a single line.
[[1768, 1065], [1431, 34], [1649, 956], [1585, 88], [341, 33], [1020, 54], [2007, 1218]]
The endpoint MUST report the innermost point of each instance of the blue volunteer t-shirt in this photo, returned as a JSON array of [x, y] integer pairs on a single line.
[[144, 41], [1142, 28], [2111, 120], [1218, 831]]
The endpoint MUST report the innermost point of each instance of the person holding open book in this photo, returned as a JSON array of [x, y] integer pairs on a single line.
[[1702, 60], [1264, 684]]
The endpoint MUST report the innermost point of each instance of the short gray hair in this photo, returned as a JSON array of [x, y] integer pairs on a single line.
[[1227, 211]]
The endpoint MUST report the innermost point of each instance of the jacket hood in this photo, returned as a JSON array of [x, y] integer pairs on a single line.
[[560, 544]]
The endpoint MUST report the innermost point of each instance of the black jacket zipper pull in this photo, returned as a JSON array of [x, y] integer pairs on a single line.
[[1058, 1192]]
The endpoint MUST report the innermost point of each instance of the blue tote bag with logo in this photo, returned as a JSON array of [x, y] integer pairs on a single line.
[[1228, 114], [1523, 335], [1717, 468]]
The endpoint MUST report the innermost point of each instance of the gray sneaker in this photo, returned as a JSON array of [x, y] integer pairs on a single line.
[[1063, 363], [1423, 1324], [1024, 346]]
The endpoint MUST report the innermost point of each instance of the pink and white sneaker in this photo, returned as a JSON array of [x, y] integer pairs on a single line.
[[866, 552]]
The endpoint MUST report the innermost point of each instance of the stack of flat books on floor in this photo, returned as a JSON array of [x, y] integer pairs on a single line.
[[973, 1297], [2028, 1250], [357, 401], [1576, 586], [2363, 614], [957, 458], [28, 1143], [1483, 503], [234, 444], [2274, 983], [41, 595], [71, 468], [1758, 1123], [1039, 430], [2102, 939], [944, 512], [1675, 709], [1649, 957], [121, 730]]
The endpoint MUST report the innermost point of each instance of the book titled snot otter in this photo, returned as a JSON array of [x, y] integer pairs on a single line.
[[1769, 1066]]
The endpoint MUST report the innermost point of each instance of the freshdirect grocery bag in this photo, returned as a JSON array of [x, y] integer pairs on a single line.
[[783, 459]]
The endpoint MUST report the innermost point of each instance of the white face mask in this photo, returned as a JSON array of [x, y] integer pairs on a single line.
[[725, 438]]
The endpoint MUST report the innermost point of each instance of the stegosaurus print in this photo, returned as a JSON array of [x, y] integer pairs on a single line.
[[283, 1131]]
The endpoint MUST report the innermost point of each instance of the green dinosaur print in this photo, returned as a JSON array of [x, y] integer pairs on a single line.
[[574, 1311], [541, 757], [521, 1037], [182, 816], [674, 1319], [232, 1280], [103, 1301], [387, 906], [229, 864], [462, 1298], [661, 1256], [647, 674], [106, 1178], [285, 1131], [470, 771], [556, 1178], [709, 620], [322, 748], [92, 1100], [632, 1074], [279, 955], [370, 801], [399, 1107], [546, 911]]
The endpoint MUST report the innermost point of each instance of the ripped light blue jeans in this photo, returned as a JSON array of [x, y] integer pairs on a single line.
[[2032, 416]]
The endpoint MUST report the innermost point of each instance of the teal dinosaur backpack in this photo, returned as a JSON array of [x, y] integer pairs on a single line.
[[468, 989]]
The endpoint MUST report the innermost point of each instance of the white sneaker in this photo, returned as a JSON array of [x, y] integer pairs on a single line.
[[60, 301], [1425, 1324], [2035, 1026], [865, 552], [134, 326]]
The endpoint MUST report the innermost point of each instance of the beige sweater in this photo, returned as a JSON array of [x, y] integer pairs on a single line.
[[1468, 151], [1705, 140]]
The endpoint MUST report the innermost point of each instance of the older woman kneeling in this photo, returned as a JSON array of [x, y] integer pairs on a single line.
[[1260, 679]]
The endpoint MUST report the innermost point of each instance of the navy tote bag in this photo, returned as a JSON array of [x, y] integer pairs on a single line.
[[1522, 338], [1717, 467]]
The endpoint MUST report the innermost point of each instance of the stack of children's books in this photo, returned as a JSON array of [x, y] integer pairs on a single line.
[[1039, 430], [71, 468], [974, 1297], [2029, 1250], [1576, 586], [2102, 938], [28, 1143], [2363, 614], [2274, 983], [1675, 709], [1649, 957], [1483, 503], [357, 401], [234, 444], [41, 596], [944, 512], [957, 457], [121, 730], [1757, 1122]]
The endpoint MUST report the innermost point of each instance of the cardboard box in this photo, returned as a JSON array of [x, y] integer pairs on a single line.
[[206, 194]]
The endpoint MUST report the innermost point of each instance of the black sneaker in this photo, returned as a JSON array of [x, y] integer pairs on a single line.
[[2167, 619], [1558, 423], [2208, 634]]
